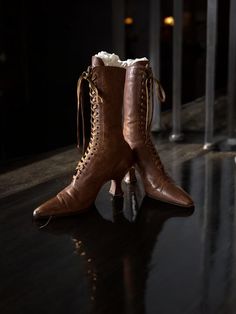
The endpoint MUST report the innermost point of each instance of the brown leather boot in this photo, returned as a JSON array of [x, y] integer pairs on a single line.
[[108, 156], [137, 120]]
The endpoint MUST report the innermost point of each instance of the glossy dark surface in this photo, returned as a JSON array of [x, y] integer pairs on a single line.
[[130, 255]]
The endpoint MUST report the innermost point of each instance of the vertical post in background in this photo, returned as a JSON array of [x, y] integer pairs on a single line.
[[2, 103], [232, 75], [154, 55], [210, 72], [233, 286], [118, 27], [177, 70], [24, 53]]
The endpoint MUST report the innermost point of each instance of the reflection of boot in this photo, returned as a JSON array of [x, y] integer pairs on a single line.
[[117, 255], [96, 242], [137, 120], [149, 224], [108, 156]]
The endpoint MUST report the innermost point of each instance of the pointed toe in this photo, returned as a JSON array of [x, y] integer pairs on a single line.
[[50, 208], [185, 200], [36, 213], [172, 194], [189, 202], [176, 195], [41, 212]]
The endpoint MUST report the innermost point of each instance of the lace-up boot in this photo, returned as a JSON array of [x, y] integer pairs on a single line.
[[138, 110], [107, 156]]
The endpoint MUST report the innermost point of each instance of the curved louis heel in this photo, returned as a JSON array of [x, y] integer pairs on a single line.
[[130, 176], [116, 188], [116, 183]]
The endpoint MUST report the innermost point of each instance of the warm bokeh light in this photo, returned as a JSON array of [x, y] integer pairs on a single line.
[[128, 20], [169, 20]]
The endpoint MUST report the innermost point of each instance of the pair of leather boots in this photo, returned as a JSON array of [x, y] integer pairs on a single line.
[[120, 141]]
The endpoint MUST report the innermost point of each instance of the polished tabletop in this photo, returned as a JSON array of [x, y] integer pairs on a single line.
[[130, 255]]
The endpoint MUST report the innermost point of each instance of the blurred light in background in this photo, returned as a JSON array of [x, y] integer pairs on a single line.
[[169, 20], [128, 20]]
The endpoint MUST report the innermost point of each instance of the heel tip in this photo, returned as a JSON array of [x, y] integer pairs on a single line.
[[116, 195]]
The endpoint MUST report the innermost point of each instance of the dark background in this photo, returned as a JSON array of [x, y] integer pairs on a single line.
[[44, 46]]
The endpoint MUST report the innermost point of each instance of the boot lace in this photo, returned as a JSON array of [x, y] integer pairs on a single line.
[[148, 80], [95, 100]]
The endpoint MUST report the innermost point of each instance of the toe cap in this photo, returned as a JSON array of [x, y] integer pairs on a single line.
[[178, 196], [53, 207], [172, 194]]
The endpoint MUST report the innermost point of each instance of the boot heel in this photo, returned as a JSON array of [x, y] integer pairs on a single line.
[[130, 176], [116, 189]]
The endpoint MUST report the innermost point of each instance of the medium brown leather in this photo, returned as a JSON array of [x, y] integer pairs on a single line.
[[157, 183], [110, 156]]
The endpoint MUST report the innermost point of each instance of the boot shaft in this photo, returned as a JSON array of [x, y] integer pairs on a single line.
[[135, 102], [109, 81]]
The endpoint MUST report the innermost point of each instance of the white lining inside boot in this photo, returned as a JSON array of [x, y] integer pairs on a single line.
[[111, 59]]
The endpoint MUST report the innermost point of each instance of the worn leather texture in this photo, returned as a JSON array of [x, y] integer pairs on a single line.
[[107, 157], [157, 182]]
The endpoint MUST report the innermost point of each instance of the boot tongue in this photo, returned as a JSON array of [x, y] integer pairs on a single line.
[[96, 61]]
